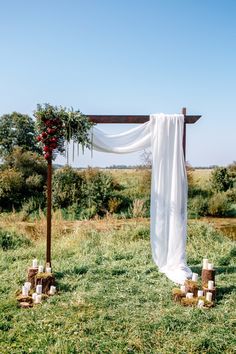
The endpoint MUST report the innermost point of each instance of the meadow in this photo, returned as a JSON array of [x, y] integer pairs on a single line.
[[111, 297]]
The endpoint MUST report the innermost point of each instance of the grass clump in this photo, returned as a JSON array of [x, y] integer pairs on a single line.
[[12, 240]]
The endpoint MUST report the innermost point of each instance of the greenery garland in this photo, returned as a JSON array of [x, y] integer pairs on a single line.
[[57, 126]]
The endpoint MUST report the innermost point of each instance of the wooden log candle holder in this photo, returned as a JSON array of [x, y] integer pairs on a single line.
[[32, 272], [191, 287], [213, 291], [207, 274], [46, 280], [177, 294]]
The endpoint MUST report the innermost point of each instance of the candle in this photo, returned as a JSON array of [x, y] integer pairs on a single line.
[[39, 289], [183, 289], [200, 303], [35, 263], [48, 270], [52, 290], [38, 298], [34, 296], [189, 295], [205, 263], [40, 269], [28, 285], [25, 291], [210, 266], [194, 277], [210, 284], [209, 296], [200, 293]]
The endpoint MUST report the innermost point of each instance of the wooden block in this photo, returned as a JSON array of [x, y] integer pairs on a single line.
[[213, 291], [32, 272], [207, 275], [191, 287], [46, 279]]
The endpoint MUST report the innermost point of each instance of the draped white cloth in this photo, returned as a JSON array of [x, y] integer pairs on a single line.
[[164, 134]]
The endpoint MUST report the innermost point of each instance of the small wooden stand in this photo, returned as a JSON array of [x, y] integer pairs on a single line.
[[213, 291], [32, 272], [207, 275], [191, 287], [177, 294], [46, 280]]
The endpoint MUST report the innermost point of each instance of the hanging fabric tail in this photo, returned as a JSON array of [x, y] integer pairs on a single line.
[[169, 197]]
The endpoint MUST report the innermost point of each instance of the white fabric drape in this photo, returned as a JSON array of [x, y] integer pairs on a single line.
[[164, 134]]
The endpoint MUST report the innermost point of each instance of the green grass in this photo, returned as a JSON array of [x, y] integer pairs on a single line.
[[112, 298]]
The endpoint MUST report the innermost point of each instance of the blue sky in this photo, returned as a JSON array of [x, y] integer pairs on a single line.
[[126, 57]]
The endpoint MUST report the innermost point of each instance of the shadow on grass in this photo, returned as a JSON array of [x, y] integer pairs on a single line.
[[70, 272], [219, 270], [222, 292]]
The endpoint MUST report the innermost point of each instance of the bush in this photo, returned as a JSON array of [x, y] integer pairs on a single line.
[[220, 180], [66, 187], [11, 187], [198, 206], [219, 205], [231, 195], [22, 178], [12, 240]]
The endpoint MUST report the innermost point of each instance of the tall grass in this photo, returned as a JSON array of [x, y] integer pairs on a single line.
[[112, 299]]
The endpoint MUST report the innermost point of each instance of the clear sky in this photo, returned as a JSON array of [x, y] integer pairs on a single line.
[[126, 57]]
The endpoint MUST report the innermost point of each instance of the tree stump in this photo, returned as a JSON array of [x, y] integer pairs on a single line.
[[213, 291], [207, 275], [191, 287], [46, 280], [177, 294], [32, 272]]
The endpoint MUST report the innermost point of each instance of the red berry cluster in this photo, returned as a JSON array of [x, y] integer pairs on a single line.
[[50, 136]]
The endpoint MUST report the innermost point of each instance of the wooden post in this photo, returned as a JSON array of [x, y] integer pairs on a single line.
[[49, 212], [184, 112]]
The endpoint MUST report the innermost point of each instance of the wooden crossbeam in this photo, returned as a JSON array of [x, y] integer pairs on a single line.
[[131, 119]]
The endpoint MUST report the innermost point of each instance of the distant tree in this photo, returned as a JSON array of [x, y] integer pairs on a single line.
[[17, 129], [220, 180]]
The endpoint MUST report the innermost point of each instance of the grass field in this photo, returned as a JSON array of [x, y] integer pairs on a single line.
[[111, 297]]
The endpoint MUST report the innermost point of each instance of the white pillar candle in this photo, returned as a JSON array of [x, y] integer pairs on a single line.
[[194, 277], [200, 303], [210, 266], [189, 295], [38, 298], [40, 269], [183, 289], [28, 285], [34, 296], [205, 263], [52, 290], [209, 296], [35, 263], [25, 291], [210, 284], [39, 289], [200, 293], [48, 270]]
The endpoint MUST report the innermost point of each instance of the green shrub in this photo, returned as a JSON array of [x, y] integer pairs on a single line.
[[219, 205], [66, 184], [231, 195], [198, 206], [12, 240], [11, 187], [220, 180]]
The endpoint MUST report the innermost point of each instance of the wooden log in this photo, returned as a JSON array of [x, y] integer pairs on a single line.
[[32, 272], [177, 294], [46, 280], [208, 275], [25, 305], [191, 287], [213, 291], [23, 298]]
